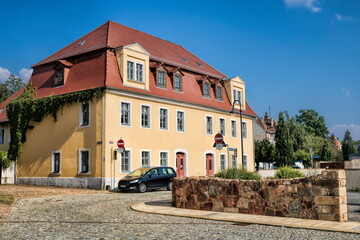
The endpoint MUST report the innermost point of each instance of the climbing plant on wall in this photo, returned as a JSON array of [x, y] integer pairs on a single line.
[[26, 107]]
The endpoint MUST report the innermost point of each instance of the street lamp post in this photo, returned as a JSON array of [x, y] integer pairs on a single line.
[[241, 130]]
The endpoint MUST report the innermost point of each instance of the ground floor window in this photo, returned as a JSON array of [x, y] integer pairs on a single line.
[[125, 161], [244, 162], [222, 162], [145, 158], [84, 161], [233, 161], [55, 165], [163, 159]]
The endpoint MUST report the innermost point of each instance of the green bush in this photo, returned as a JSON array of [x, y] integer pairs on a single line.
[[4, 161], [235, 173], [288, 172]]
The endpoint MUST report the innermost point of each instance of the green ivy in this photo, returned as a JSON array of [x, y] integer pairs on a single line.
[[25, 108]]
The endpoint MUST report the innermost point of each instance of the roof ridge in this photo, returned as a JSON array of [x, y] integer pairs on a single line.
[[49, 57]]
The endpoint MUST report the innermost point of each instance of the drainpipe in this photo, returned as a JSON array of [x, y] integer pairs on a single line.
[[102, 141]]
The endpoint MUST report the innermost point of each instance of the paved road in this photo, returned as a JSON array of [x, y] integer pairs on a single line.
[[108, 216]]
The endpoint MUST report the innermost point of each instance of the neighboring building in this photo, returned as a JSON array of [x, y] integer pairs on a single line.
[[264, 128], [353, 162], [163, 101]]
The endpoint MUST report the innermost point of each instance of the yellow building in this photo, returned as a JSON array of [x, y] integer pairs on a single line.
[[165, 103]]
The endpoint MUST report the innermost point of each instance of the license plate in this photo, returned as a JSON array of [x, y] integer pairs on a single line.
[[123, 186]]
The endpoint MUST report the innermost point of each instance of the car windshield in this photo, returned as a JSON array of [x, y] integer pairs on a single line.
[[138, 172]]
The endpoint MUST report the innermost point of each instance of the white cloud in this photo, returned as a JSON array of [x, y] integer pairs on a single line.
[[346, 92], [342, 18], [25, 74], [309, 4], [4, 74], [340, 129]]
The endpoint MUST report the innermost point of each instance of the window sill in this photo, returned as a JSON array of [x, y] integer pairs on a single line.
[[84, 126], [84, 174], [53, 174], [137, 82]]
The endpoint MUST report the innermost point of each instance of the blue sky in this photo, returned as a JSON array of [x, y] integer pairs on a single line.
[[292, 54]]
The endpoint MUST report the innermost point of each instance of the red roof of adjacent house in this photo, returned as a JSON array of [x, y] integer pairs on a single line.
[[92, 64]]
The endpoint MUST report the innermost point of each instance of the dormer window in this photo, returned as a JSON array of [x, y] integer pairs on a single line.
[[161, 79], [177, 83], [59, 77], [237, 95], [219, 93], [139, 72], [206, 89], [130, 70]]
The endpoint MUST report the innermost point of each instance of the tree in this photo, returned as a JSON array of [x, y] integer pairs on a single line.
[[264, 152], [11, 86], [314, 124], [283, 143], [302, 155], [347, 145], [325, 152]]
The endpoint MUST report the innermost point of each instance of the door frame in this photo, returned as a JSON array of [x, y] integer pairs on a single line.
[[213, 161], [186, 159]]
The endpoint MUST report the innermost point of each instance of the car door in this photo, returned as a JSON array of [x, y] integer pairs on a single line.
[[152, 178]]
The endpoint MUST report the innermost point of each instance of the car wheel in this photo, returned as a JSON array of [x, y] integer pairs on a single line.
[[142, 188], [169, 186]]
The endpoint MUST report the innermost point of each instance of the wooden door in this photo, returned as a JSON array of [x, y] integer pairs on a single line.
[[209, 164], [180, 164]]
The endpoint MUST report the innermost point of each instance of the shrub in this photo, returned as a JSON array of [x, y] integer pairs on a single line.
[[235, 173], [288, 172], [4, 161]]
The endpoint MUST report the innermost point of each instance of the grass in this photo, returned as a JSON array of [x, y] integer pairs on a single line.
[[6, 199], [354, 190]]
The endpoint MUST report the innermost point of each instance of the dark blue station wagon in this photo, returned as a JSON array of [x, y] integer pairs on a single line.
[[146, 178]]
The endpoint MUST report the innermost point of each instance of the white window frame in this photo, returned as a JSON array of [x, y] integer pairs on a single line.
[[220, 98], [81, 116], [139, 76], [208, 89], [134, 71], [212, 125], [150, 123], [130, 162], [222, 155], [145, 150], [167, 119], [167, 159], [232, 128], [232, 161], [244, 129], [53, 162], [246, 166], [130, 113], [157, 78], [177, 125], [79, 161], [238, 95], [130, 71], [224, 121]]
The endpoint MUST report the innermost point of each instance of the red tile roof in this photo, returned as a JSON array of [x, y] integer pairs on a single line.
[[93, 65]]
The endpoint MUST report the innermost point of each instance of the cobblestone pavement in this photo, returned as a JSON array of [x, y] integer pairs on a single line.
[[108, 216]]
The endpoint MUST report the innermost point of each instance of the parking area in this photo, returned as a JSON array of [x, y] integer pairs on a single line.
[[105, 215]]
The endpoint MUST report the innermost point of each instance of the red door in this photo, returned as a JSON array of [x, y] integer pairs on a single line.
[[209, 164], [180, 164]]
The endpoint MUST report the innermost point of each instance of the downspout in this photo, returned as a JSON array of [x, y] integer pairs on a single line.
[[102, 142], [253, 124]]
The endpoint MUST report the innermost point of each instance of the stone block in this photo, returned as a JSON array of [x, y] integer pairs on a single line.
[[329, 209], [327, 200], [343, 217], [270, 212], [218, 206], [242, 203], [341, 191], [342, 182], [342, 208], [208, 206], [179, 191], [329, 217], [231, 209], [343, 199]]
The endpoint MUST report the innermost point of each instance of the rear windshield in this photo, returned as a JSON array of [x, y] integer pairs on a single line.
[[138, 172]]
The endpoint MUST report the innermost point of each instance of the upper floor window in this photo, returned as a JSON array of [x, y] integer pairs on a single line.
[[59, 77], [206, 89], [130, 70], [161, 79], [177, 83], [180, 121], [145, 116], [244, 130], [85, 115], [135, 71], [163, 119], [219, 93], [125, 114], [209, 125], [237, 95], [222, 126], [233, 128]]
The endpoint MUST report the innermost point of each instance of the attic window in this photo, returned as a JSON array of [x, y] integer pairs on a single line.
[[177, 83], [199, 64], [161, 80], [81, 43], [59, 77], [219, 93], [206, 89], [185, 59]]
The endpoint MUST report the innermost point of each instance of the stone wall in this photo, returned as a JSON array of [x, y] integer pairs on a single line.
[[320, 197]]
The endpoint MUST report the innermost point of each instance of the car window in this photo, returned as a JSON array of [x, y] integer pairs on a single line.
[[170, 171], [163, 171], [153, 172]]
